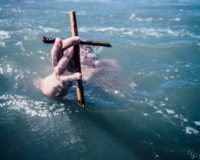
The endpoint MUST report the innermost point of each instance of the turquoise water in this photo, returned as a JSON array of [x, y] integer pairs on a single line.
[[148, 109]]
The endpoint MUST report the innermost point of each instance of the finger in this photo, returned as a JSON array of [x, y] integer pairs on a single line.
[[70, 42], [71, 77], [61, 65], [64, 61], [56, 51]]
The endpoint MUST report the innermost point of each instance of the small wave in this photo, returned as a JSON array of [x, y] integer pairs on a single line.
[[4, 35], [138, 32], [30, 107], [192, 35], [176, 83], [181, 117], [20, 44], [17, 76], [170, 111], [2, 44], [133, 85], [8, 68], [139, 19], [48, 29], [149, 19], [5, 21], [132, 16], [191, 130], [73, 140], [197, 123], [17, 10], [177, 19], [159, 111]]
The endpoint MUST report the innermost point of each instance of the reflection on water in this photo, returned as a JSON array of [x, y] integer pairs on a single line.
[[147, 109]]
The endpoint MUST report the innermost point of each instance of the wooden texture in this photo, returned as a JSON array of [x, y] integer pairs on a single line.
[[83, 42], [79, 84], [95, 43]]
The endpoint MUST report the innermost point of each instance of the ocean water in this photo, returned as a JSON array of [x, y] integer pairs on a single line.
[[150, 111]]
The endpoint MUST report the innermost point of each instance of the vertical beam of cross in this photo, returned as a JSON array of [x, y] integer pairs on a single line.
[[79, 84]]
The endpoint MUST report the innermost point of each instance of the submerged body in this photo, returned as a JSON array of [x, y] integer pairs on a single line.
[[58, 83]]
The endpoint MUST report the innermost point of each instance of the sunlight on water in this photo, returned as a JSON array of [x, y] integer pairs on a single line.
[[148, 108]]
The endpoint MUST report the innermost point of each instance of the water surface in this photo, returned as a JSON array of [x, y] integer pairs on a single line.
[[151, 111]]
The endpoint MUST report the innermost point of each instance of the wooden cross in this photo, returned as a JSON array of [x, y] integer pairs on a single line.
[[74, 31]]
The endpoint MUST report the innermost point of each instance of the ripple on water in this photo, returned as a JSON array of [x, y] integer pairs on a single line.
[[197, 123], [170, 111], [48, 29], [191, 130], [31, 107], [3, 36], [20, 45], [137, 32]]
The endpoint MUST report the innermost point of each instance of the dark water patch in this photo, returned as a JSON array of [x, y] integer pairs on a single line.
[[4, 87]]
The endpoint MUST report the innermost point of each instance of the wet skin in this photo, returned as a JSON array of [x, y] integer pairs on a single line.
[[57, 83]]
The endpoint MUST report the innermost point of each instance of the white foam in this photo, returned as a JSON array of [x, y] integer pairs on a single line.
[[132, 16], [197, 123], [151, 102], [42, 58], [1, 70], [9, 69], [133, 85], [177, 19], [48, 29], [2, 44], [149, 19], [17, 10], [170, 111], [153, 32], [139, 19], [181, 117], [192, 35], [191, 130], [72, 140], [116, 91], [30, 107], [159, 111], [19, 76], [20, 44], [150, 32], [162, 104], [4, 35], [155, 107]]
